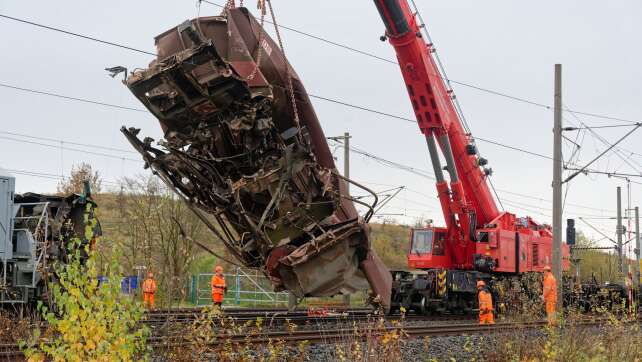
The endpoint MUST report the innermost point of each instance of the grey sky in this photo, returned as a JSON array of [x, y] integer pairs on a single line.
[[508, 46]]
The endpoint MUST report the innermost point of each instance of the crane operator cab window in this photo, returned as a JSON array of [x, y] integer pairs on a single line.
[[428, 241], [421, 242]]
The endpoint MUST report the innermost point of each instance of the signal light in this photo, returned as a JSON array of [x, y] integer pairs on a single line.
[[570, 231]]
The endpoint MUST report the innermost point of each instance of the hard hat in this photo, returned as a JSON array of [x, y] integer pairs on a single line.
[[480, 283], [218, 269], [547, 268]]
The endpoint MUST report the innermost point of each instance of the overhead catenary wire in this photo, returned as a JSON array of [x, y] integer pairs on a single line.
[[417, 171], [514, 148], [314, 96], [453, 81], [334, 43], [76, 34], [605, 142], [426, 174], [288, 28], [569, 178], [464, 84], [77, 99], [54, 176], [67, 142], [71, 149], [311, 95], [598, 127]]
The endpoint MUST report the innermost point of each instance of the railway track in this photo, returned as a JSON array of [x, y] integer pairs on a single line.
[[339, 335], [336, 335], [280, 316]]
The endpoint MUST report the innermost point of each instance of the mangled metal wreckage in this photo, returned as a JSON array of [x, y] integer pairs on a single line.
[[243, 144]]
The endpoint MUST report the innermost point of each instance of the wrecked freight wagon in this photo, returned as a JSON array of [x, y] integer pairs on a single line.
[[243, 144]]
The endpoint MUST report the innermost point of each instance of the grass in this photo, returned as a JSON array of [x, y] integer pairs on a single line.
[[617, 339]]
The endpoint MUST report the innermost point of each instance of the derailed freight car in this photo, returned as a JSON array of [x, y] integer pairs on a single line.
[[35, 232], [243, 144]]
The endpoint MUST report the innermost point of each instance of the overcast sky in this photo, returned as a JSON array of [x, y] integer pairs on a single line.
[[506, 46]]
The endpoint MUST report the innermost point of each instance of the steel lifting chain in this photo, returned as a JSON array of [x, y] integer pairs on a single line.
[[229, 4], [287, 66], [259, 56]]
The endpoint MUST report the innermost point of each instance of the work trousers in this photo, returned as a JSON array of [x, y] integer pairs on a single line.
[[486, 318], [148, 298], [550, 311]]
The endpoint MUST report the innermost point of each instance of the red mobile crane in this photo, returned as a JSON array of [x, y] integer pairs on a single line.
[[479, 240]]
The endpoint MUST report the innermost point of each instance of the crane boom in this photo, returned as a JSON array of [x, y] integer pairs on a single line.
[[437, 117]]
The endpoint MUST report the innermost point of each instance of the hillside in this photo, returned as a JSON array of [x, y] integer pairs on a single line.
[[391, 243], [141, 229], [389, 240]]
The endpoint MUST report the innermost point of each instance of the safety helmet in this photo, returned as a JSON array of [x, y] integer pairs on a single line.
[[218, 269], [480, 283], [547, 268]]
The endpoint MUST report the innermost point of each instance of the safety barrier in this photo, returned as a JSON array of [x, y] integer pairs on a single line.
[[244, 288]]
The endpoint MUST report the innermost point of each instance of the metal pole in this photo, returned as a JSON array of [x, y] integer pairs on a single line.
[[346, 174], [619, 232], [557, 184], [237, 294], [637, 246], [346, 157]]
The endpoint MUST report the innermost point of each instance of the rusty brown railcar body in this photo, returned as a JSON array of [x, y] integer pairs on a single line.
[[234, 149]]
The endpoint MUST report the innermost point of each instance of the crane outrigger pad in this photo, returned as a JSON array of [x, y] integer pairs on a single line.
[[243, 147]]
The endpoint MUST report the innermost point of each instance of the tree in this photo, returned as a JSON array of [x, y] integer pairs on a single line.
[[75, 183], [156, 231], [598, 263]]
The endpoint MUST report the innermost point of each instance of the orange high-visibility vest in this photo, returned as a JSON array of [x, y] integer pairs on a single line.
[[149, 286], [218, 285], [550, 288], [485, 302]]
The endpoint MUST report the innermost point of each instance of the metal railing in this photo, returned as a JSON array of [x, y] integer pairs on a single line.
[[244, 288]]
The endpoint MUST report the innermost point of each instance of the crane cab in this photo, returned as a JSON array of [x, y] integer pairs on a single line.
[[428, 248]]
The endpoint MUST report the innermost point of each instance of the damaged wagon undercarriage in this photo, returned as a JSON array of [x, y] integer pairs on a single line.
[[242, 144]]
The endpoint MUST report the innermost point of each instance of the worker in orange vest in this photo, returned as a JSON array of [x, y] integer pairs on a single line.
[[550, 295], [218, 286], [485, 304], [149, 288]]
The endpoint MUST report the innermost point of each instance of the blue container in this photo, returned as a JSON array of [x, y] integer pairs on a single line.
[[133, 282], [124, 285]]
